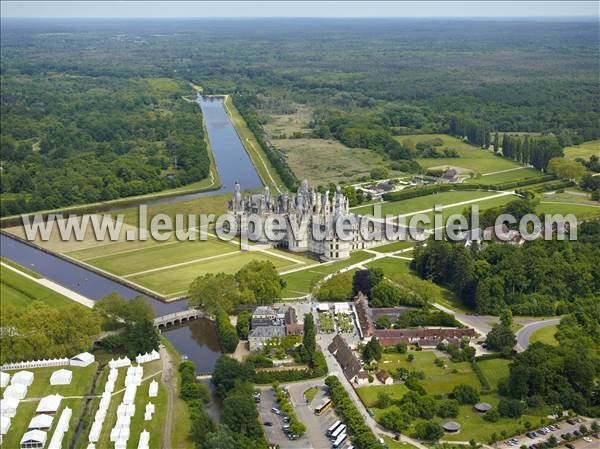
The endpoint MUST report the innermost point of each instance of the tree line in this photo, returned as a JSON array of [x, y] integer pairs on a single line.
[[539, 278]]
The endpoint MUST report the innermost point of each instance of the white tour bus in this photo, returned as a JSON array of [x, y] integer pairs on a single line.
[[333, 427], [337, 432], [340, 440]]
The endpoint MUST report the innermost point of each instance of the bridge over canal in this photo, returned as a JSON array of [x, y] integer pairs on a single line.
[[183, 316]]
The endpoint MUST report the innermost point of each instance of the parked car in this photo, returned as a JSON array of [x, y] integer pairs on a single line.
[[569, 446], [588, 439], [268, 423], [571, 421], [276, 410]]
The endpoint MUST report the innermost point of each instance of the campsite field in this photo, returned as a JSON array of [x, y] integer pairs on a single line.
[[80, 385], [584, 151]]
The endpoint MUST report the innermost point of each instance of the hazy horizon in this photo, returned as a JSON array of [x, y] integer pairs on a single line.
[[294, 9]]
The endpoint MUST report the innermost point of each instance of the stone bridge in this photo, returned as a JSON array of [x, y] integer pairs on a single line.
[[172, 319]]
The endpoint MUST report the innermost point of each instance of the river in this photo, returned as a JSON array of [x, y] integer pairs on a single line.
[[196, 340]]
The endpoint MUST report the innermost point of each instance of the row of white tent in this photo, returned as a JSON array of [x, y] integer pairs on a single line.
[[119, 363], [109, 387], [61, 428], [147, 357], [83, 359], [120, 433]]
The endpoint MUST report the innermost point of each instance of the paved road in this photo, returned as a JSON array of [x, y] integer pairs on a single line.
[[524, 334], [168, 379]]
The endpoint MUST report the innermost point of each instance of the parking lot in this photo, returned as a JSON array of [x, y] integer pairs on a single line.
[[565, 427], [316, 426]]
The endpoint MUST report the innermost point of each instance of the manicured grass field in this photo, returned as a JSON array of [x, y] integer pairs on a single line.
[[368, 394], [412, 205], [509, 176], [437, 380], [396, 246], [471, 159], [581, 211], [494, 370], [175, 281], [301, 282], [545, 335], [584, 151], [162, 255], [19, 291]]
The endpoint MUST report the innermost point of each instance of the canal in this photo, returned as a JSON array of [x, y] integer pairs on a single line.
[[196, 340]]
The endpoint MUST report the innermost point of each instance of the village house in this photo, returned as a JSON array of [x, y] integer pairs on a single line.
[[385, 377], [350, 364], [423, 336]]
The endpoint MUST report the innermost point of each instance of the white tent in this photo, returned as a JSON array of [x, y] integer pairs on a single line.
[[17, 391], [144, 440], [61, 377], [341, 307], [323, 307], [33, 439], [91, 446], [153, 389], [4, 424], [95, 431], [129, 395], [155, 354], [83, 359], [22, 378], [147, 416], [49, 404], [42, 421], [8, 407], [4, 378]]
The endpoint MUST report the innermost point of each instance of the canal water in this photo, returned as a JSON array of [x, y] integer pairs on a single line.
[[196, 340]]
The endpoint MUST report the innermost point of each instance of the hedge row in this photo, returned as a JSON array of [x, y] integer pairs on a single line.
[[318, 369], [485, 385], [437, 188], [552, 185], [362, 435], [296, 427]]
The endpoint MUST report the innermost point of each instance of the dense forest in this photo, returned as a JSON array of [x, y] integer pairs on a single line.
[[543, 277], [70, 139], [93, 110]]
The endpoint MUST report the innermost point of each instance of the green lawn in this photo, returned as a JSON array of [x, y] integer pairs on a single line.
[[473, 426], [162, 255], [437, 380], [584, 151], [471, 159], [412, 205], [19, 291], [176, 280], [545, 335], [310, 393], [581, 211], [494, 370], [368, 394], [396, 246], [301, 282], [509, 176]]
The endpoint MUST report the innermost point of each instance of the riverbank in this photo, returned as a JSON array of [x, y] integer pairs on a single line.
[[266, 171]]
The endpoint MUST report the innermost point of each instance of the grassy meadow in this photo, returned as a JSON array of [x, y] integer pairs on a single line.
[[584, 150]]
